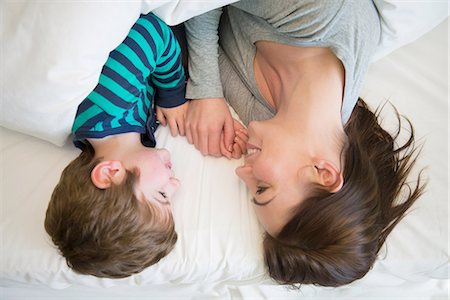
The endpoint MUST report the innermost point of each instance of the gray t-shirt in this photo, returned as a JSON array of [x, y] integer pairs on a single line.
[[350, 28]]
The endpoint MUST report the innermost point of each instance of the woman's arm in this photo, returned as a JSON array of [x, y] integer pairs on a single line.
[[203, 48], [208, 119]]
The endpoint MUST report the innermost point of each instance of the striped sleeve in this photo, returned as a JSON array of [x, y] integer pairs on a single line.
[[144, 67], [169, 76]]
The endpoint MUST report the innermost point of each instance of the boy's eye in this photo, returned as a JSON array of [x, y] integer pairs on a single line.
[[165, 201]]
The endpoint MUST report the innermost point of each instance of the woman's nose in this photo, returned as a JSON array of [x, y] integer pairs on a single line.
[[245, 174], [252, 127], [255, 129]]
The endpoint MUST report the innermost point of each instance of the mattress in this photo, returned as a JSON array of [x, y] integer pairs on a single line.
[[218, 254]]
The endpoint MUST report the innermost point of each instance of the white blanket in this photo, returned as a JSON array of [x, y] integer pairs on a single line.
[[218, 254]]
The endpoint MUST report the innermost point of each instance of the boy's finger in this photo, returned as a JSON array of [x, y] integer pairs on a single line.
[[160, 117], [243, 132], [173, 127], [188, 135], [180, 124], [242, 136], [242, 144], [236, 151]]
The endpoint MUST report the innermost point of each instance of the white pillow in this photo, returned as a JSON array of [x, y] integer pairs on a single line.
[[219, 238], [174, 12], [403, 21], [54, 53]]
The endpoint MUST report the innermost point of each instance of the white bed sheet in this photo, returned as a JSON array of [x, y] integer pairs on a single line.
[[218, 254]]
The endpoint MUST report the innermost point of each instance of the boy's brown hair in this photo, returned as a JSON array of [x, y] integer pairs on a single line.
[[105, 233]]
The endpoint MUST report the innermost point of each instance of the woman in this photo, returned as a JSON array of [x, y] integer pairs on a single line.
[[323, 173]]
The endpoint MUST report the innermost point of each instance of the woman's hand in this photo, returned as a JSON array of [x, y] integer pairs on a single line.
[[174, 116], [208, 125]]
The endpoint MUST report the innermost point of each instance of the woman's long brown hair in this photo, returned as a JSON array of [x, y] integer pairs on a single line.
[[334, 239]]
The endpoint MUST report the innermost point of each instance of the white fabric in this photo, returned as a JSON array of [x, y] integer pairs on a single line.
[[53, 51], [403, 21], [218, 231], [218, 255]]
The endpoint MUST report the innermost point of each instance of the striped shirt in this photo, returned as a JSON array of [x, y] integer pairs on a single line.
[[144, 70]]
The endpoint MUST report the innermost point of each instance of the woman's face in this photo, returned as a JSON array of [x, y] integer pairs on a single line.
[[275, 171]]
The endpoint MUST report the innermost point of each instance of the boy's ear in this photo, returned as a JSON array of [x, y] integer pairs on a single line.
[[329, 176], [108, 172]]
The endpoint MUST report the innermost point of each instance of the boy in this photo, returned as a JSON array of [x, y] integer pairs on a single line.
[[110, 214]]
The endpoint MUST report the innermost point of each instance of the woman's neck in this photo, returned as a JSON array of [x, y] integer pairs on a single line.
[[305, 85]]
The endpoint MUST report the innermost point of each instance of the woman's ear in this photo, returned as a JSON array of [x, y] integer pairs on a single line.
[[329, 176], [108, 172]]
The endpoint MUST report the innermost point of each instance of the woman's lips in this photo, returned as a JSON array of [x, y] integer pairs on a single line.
[[252, 149], [251, 146]]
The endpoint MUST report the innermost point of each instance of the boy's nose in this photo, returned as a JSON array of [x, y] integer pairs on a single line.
[[164, 154], [172, 187]]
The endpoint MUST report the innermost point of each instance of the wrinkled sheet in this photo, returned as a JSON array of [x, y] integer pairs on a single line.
[[218, 254]]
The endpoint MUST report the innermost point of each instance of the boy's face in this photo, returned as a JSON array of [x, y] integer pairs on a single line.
[[156, 180]]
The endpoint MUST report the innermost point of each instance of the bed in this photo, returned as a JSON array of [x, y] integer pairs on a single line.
[[218, 254]]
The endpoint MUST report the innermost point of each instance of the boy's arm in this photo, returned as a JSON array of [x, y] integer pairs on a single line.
[[168, 76], [169, 80]]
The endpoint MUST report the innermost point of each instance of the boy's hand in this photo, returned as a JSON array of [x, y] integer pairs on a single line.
[[239, 143], [174, 116]]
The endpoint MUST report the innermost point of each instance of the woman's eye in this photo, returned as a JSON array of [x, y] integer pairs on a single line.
[[163, 194], [261, 189]]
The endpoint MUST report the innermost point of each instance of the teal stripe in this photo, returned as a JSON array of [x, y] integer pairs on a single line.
[[172, 47], [170, 63], [115, 122], [140, 108], [83, 117], [142, 42], [131, 120], [125, 73], [105, 104], [117, 89], [131, 55], [98, 127], [150, 91], [147, 101], [159, 40], [167, 75]]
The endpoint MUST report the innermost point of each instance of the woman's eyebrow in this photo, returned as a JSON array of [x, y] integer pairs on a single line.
[[261, 203]]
